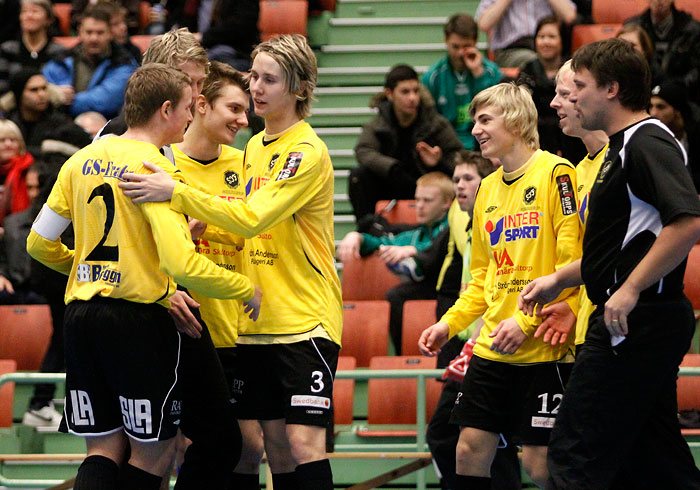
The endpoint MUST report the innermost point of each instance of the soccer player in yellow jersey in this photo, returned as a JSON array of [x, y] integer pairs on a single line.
[[524, 221], [122, 349], [288, 357]]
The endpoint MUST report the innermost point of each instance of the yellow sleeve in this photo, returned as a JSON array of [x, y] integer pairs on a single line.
[[278, 200], [218, 235], [179, 259], [471, 303], [52, 253]]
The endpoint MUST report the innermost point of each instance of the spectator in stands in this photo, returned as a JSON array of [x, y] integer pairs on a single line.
[[33, 47], [407, 139], [457, 78], [434, 195], [538, 76], [93, 76], [34, 114], [78, 7], [641, 41], [511, 26], [119, 28], [9, 13], [14, 162], [676, 38], [91, 122], [669, 104], [233, 32]]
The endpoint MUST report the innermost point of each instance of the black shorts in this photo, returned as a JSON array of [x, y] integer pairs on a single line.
[[229, 361], [520, 402], [122, 363], [286, 381]]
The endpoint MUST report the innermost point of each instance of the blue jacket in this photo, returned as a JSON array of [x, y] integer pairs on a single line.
[[105, 92]]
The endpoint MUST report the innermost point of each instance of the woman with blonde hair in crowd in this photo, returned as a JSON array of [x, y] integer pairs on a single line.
[[14, 162]]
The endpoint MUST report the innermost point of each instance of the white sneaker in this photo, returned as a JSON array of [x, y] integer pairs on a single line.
[[46, 416]]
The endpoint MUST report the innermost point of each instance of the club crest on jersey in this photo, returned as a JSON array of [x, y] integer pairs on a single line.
[[530, 194], [231, 178], [566, 195], [291, 165], [604, 169], [273, 161], [515, 227]]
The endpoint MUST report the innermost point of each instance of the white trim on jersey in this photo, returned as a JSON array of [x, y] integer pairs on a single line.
[[49, 224]]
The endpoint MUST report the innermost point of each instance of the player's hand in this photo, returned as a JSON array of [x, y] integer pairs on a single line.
[[557, 325], [391, 254], [538, 293], [6, 285], [157, 186], [433, 338], [617, 308], [185, 321], [349, 247], [252, 306], [507, 337], [430, 155], [197, 228], [474, 61]]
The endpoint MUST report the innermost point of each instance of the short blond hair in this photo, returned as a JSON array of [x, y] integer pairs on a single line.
[[298, 62], [566, 67], [175, 48], [147, 90], [515, 104], [10, 129], [439, 180]]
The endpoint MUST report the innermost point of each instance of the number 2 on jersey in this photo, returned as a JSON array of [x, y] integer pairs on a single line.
[[103, 252]]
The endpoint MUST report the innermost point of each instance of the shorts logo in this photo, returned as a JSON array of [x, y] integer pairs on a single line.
[[273, 161], [459, 395], [291, 165], [82, 413], [136, 415], [311, 401], [530, 194], [543, 422], [566, 195], [231, 179], [176, 408]]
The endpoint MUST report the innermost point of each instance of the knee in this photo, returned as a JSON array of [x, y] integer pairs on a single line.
[[536, 468], [308, 445], [251, 455]]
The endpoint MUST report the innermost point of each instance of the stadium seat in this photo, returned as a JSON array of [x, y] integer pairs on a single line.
[[25, 331], [144, 15], [282, 17], [62, 12], [141, 41], [393, 401], [618, 11], [344, 392], [510, 73], [365, 330], [690, 6], [689, 386], [367, 278], [691, 280], [7, 393], [418, 314], [397, 211], [585, 34], [67, 41]]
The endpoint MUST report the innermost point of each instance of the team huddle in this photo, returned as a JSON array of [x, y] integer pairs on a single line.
[[227, 327]]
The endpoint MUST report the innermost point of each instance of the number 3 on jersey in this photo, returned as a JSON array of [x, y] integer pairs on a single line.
[[103, 252]]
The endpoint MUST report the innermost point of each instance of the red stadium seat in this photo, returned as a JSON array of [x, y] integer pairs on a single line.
[[25, 331], [418, 314], [62, 12], [689, 386], [7, 393], [344, 392], [691, 281], [367, 279], [585, 34], [67, 41], [141, 41], [144, 15], [365, 330], [690, 6], [282, 17], [510, 72], [397, 211], [618, 11]]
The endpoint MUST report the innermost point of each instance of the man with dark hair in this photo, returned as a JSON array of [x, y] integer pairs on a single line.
[[93, 75], [464, 72], [618, 426], [407, 139]]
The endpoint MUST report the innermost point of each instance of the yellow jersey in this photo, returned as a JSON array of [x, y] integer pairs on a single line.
[[586, 173], [523, 228], [287, 221], [123, 250], [223, 178]]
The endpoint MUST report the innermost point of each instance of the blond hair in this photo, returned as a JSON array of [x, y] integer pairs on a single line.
[[10, 129], [566, 67], [175, 48], [298, 62], [148, 89], [515, 104], [439, 180]]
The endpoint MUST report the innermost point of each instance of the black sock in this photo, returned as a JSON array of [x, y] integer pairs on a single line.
[[134, 478], [465, 482], [97, 473], [316, 475], [285, 481], [246, 481]]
